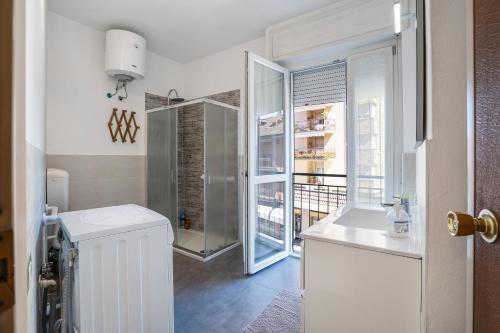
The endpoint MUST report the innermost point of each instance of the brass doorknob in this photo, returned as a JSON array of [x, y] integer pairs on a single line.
[[461, 224]]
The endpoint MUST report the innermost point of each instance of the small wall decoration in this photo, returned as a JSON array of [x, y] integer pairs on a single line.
[[115, 126]]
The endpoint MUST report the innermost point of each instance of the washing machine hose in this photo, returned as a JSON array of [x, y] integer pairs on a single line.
[[66, 314]]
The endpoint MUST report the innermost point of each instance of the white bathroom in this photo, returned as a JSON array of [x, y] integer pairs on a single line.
[[226, 167]]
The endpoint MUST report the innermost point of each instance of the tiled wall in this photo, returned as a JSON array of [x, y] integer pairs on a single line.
[[229, 97], [154, 101], [102, 180], [190, 163]]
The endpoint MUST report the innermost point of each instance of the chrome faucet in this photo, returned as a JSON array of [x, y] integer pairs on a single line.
[[405, 202]]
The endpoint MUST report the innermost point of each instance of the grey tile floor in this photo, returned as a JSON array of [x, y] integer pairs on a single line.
[[215, 297]]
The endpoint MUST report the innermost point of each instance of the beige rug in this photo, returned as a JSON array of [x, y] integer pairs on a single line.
[[282, 315]]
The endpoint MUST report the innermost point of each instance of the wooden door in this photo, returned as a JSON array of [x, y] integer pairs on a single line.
[[6, 244], [487, 161]]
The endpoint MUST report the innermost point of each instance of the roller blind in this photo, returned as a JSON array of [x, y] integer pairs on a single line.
[[326, 84]]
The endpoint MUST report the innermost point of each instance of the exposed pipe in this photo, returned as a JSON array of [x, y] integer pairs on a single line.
[[52, 306], [67, 256], [46, 283]]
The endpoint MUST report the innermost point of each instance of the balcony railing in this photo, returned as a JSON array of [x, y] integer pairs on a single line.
[[315, 196]]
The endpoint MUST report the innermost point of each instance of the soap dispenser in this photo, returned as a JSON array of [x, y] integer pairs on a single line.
[[398, 222]]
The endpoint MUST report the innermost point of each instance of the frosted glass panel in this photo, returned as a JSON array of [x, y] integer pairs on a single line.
[[231, 193], [192, 155], [221, 174], [215, 217], [162, 165], [270, 120]]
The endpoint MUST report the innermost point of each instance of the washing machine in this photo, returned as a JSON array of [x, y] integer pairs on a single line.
[[116, 268]]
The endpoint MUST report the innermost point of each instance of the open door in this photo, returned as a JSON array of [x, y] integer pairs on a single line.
[[487, 161], [268, 228], [6, 233], [486, 295]]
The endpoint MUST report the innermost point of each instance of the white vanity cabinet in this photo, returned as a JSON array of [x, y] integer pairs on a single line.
[[352, 288]]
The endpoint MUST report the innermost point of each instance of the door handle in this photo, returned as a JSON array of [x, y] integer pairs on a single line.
[[461, 224]]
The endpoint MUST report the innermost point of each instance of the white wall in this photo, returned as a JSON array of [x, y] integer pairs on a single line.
[[446, 167], [29, 154], [222, 71], [219, 72], [78, 109]]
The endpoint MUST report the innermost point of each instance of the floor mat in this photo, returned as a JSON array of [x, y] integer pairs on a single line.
[[282, 315]]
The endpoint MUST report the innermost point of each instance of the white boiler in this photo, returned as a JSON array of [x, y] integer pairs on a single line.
[[125, 55], [117, 270]]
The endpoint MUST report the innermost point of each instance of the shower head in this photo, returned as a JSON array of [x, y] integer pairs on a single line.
[[175, 99]]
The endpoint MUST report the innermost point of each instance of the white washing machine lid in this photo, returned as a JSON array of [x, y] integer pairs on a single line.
[[100, 222]]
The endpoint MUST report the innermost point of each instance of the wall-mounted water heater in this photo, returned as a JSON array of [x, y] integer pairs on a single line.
[[125, 58], [125, 55]]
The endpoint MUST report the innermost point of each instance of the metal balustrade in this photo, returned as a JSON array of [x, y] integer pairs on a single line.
[[314, 197]]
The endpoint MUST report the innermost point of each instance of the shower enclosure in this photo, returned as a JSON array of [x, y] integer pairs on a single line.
[[192, 174]]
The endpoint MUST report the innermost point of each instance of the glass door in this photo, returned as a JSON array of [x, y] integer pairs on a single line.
[[269, 168], [221, 174], [162, 164]]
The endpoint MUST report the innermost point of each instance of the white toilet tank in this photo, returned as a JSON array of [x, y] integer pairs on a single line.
[[58, 189]]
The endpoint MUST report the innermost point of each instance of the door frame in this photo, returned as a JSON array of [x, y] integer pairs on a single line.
[[251, 58], [469, 30], [6, 148], [446, 260]]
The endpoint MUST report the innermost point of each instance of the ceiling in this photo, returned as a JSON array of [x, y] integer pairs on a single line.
[[184, 30]]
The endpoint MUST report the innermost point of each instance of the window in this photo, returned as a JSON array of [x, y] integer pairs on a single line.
[[370, 108]]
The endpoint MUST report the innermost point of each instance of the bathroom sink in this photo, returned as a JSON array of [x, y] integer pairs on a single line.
[[367, 218]]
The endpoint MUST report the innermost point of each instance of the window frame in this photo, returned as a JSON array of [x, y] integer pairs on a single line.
[[393, 124]]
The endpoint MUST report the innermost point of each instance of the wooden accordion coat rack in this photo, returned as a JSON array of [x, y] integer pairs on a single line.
[[118, 132]]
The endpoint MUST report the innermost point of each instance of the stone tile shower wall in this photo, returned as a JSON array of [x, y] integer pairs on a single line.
[[190, 153], [190, 163], [229, 97], [154, 101]]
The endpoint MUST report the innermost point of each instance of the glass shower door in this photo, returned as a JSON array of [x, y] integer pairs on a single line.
[[231, 193], [162, 164], [214, 178], [221, 205]]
